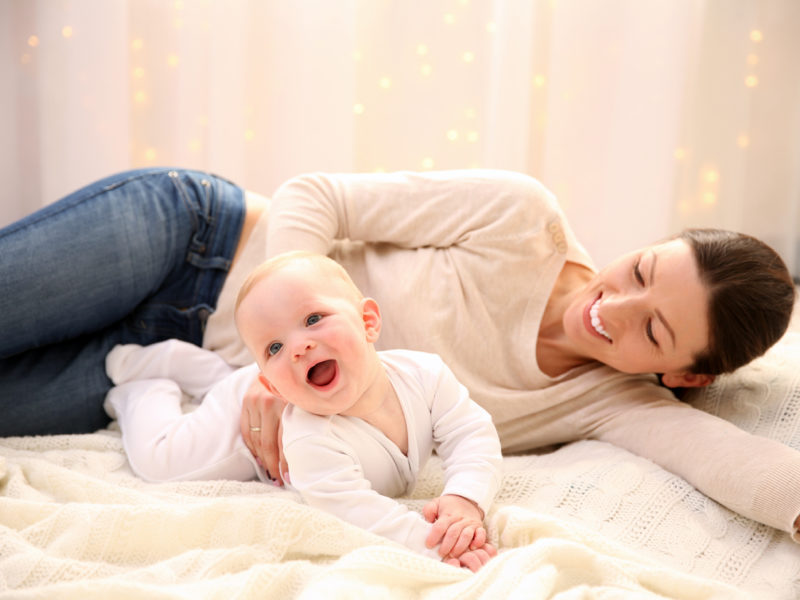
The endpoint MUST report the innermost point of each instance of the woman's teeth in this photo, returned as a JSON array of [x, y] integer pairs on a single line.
[[596, 322]]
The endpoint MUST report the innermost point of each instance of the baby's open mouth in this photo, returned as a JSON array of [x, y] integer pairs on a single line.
[[322, 373]]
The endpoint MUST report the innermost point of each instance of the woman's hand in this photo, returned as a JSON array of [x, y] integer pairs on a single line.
[[260, 423]]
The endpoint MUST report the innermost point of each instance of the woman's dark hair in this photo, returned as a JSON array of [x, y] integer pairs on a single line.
[[751, 296]]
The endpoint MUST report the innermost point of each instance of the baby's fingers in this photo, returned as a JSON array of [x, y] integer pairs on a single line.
[[479, 539]]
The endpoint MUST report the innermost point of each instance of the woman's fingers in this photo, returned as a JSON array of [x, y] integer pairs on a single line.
[[260, 425]]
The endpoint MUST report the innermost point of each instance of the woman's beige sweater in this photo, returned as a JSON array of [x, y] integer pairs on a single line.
[[462, 264]]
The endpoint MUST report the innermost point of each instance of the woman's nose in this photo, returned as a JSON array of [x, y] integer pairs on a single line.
[[618, 309]]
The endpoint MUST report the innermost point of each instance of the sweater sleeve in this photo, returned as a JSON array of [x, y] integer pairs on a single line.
[[328, 475], [467, 441], [405, 209], [752, 475]]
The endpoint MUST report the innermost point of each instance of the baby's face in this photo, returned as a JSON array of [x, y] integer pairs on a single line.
[[310, 337]]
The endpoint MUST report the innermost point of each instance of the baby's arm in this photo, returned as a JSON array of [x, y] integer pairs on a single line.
[[327, 472], [469, 446]]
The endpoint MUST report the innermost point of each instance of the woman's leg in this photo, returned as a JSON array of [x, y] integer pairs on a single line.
[[136, 258]]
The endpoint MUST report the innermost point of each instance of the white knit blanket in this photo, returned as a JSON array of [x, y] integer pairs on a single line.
[[586, 521]]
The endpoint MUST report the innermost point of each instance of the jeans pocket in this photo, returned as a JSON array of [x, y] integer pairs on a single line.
[[156, 322]]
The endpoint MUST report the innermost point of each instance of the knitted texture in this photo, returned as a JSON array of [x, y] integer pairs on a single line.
[[588, 520]]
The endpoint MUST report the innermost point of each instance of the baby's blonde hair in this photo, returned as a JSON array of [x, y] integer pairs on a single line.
[[323, 263]]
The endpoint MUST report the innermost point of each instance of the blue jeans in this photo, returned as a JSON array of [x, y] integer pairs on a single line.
[[138, 257]]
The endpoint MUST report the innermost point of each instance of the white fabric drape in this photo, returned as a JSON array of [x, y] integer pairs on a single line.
[[643, 116]]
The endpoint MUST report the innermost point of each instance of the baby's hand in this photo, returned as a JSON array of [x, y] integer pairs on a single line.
[[457, 526], [473, 559]]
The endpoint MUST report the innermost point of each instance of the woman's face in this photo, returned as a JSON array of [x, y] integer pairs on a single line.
[[644, 313]]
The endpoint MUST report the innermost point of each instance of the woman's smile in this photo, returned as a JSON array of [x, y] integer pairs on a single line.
[[592, 320]]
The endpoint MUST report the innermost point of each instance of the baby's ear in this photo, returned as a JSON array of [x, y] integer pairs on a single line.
[[371, 313], [270, 388]]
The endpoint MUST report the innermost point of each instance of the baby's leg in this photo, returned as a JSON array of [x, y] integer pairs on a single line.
[[162, 443], [194, 369]]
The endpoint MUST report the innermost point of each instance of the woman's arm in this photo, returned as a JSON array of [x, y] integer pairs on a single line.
[[752, 475], [407, 210]]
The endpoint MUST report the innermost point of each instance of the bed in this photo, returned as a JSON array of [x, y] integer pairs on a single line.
[[586, 520]]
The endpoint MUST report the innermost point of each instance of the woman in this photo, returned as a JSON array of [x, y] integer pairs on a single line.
[[477, 266]]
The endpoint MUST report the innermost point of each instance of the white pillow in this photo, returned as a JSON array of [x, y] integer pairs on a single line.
[[762, 397]]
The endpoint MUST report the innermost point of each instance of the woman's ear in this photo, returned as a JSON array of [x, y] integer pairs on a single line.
[[684, 379], [371, 314]]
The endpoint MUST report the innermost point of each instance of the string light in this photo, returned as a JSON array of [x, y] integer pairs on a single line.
[[751, 81], [385, 83], [427, 163], [358, 109], [138, 72], [752, 59], [150, 154], [452, 135], [173, 60], [679, 154], [756, 35], [137, 44], [468, 57], [449, 18], [539, 80], [743, 141], [426, 70], [66, 31], [249, 135], [33, 41], [491, 27], [422, 49]]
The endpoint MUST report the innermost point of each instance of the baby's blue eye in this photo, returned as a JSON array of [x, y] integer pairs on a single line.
[[274, 348], [312, 319]]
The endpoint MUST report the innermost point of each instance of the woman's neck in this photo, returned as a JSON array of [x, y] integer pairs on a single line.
[[554, 353]]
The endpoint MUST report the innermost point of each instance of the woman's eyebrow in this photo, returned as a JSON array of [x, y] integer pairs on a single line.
[[658, 312]]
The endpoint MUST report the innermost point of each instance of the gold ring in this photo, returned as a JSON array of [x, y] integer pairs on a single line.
[[255, 429]]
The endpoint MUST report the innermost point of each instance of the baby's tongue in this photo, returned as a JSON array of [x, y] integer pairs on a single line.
[[322, 373]]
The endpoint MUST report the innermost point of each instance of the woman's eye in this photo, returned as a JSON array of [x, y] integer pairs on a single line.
[[274, 348], [637, 273], [312, 319], [650, 333]]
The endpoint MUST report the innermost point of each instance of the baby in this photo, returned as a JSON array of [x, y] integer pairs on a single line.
[[359, 424]]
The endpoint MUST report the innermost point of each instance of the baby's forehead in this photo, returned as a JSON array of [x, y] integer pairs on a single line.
[[312, 279]]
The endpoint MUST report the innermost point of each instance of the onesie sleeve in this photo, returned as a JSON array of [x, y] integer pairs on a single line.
[[328, 475], [406, 209], [467, 441], [754, 476]]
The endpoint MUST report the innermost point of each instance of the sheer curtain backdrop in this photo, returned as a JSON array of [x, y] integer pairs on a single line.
[[643, 116]]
